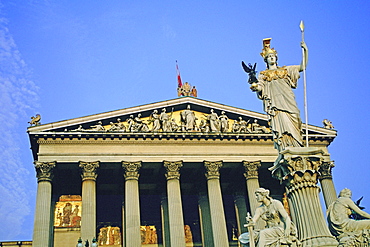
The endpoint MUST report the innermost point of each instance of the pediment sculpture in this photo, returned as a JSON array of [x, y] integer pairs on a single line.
[[186, 120]]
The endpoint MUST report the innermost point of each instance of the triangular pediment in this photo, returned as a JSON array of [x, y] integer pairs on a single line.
[[122, 121]]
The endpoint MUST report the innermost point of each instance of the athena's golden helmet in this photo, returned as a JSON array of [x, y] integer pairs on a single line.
[[266, 48]]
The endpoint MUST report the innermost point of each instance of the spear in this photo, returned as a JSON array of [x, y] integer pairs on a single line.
[[301, 26]]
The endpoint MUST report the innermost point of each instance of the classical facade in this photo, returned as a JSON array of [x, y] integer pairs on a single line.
[[175, 173]]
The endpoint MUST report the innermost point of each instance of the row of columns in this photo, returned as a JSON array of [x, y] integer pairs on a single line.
[[212, 216]]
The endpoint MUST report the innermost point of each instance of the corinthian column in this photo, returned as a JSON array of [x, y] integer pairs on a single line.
[[88, 211], [42, 224], [251, 176], [175, 215], [215, 203], [326, 180], [301, 166], [132, 206]]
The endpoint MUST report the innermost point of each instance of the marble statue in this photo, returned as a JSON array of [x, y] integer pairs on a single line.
[[256, 128], [236, 126], [35, 120], [97, 127], [243, 126], [131, 123], [274, 87], [154, 118], [212, 120], [165, 120], [224, 122], [348, 231], [279, 228], [188, 118]]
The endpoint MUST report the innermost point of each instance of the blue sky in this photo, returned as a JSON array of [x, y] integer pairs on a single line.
[[66, 59]]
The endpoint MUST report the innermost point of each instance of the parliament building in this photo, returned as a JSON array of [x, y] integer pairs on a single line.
[[177, 173]]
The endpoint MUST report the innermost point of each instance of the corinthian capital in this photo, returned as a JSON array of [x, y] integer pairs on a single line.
[[325, 170], [89, 170], [251, 169], [212, 169], [131, 170], [44, 170], [172, 169]]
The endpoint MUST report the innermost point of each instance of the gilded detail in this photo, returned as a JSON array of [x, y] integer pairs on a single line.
[[131, 169], [279, 73], [44, 170], [172, 169], [251, 169], [89, 170], [212, 169]]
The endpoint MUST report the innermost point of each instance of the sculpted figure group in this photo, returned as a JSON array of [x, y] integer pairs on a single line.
[[188, 122]]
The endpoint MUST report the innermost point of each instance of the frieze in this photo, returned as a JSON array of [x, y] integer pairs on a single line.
[[161, 120]]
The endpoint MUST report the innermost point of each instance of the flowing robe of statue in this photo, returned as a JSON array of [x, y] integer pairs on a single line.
[[274, 87]]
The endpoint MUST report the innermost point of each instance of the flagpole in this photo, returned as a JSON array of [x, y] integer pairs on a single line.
[[301, 26]]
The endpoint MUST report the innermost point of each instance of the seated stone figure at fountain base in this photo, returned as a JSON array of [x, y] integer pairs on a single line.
[[349, 232], [279, 231]]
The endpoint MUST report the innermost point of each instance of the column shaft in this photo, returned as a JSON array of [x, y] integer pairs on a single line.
[[327, 185], [205, 221], [241, 213], [251, 176], [176, 218], [301, 176], [88, 211], [219, 230], [42, 232], [165, 222], [132, 205]]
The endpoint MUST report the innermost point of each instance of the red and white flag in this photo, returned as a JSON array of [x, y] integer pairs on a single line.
[[179, 82]]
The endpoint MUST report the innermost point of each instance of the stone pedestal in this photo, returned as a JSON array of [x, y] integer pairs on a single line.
[[176, 218], [42, 226], [132, 205], [301, 172], [88, 211], [216, 204], [327, 185]]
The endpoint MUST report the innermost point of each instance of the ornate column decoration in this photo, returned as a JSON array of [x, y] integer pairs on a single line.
[[205, 221], [327, 185], [301, 166], [88, 212], [42, 224], [216, 204], [175, 214], [132, 204]]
